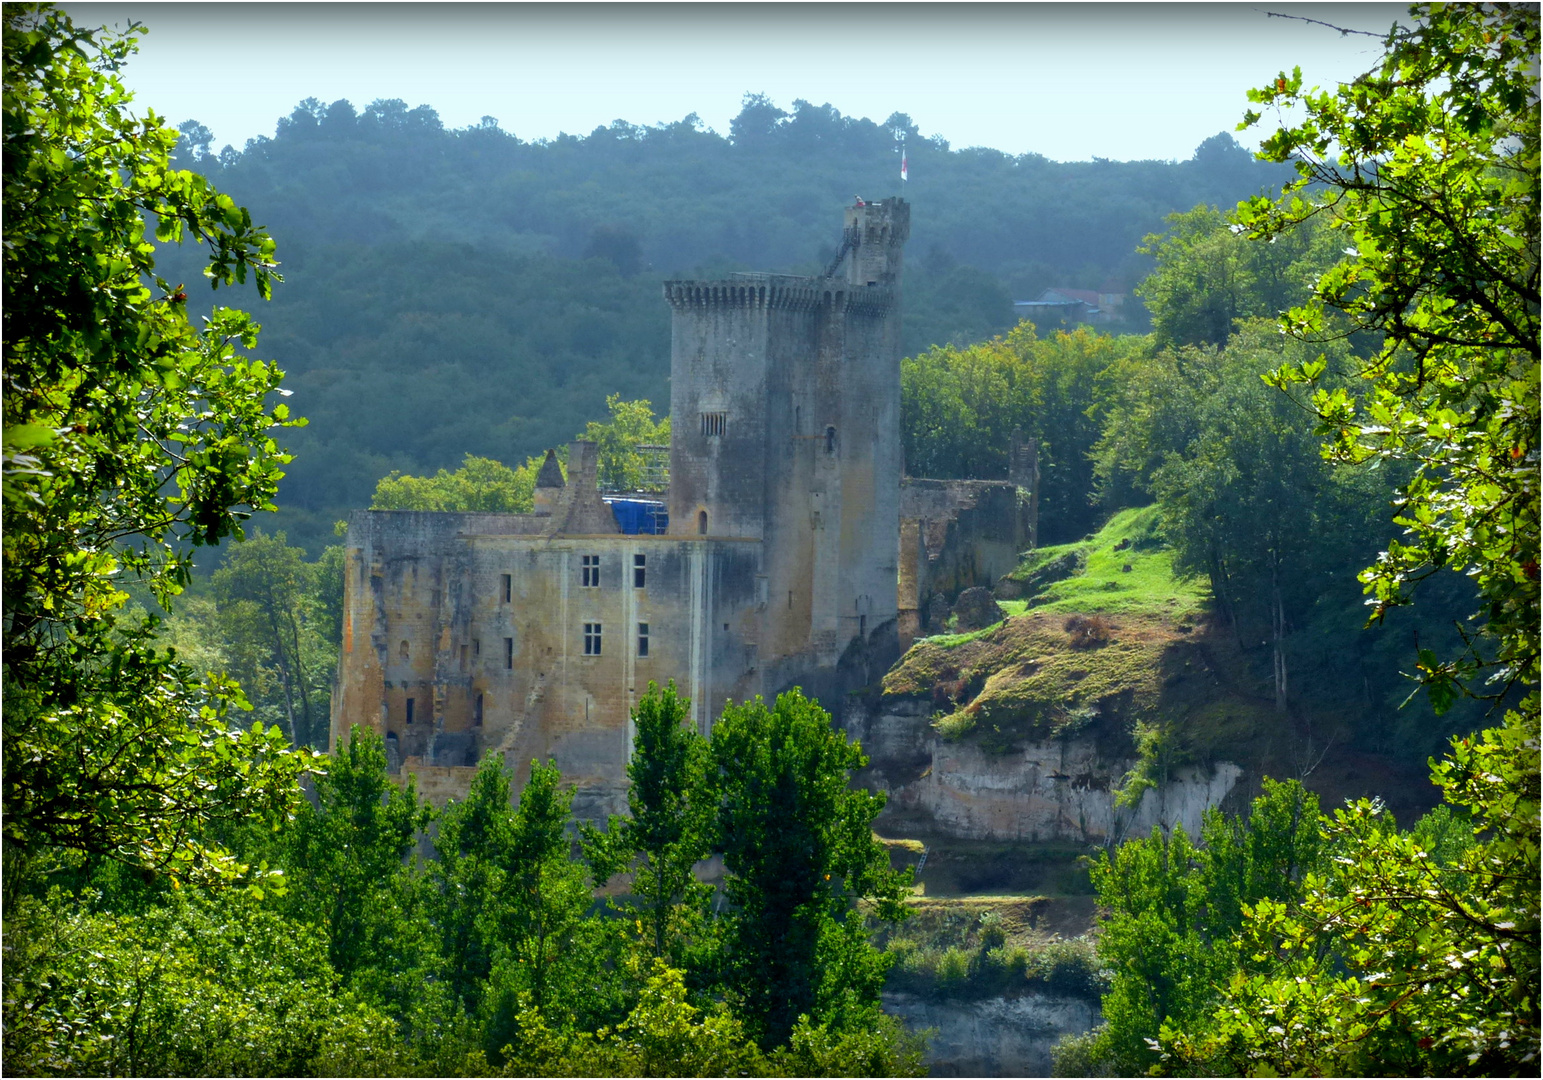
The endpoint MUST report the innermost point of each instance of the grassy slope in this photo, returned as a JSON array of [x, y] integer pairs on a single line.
[[1156, 660], [1121, 641]]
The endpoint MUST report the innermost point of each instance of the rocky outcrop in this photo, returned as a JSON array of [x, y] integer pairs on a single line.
[[976, 609], [999, 1036], [1059, 790]]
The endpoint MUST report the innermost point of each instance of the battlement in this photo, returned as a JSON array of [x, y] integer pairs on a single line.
[[751, 291], [778, 292]]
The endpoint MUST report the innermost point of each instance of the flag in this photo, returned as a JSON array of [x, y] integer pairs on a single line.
[[902, 165]]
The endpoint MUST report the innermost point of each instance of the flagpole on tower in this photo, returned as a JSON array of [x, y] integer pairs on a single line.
[[903, 176]]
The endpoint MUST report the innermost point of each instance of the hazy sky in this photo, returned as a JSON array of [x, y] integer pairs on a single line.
[[1069, 81]]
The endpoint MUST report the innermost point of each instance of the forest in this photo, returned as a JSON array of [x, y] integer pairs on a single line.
[[1331, 401], [466, 291]]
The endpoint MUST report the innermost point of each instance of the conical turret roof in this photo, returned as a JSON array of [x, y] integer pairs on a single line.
[[551, 474]]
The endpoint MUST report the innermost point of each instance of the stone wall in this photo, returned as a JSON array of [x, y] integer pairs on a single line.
[[954, 535], [459, 641]]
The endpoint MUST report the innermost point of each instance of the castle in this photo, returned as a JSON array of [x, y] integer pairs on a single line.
[[784, 562]]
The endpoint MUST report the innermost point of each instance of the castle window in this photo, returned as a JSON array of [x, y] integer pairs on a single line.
[[508, 587], [589, 572], [714, 423], [830, 440], [403, 651], [639, 570], [862, 626], [410, 703], [463, 657], [701, 522], [509, 653], [476, 646], [591, 639], [476, 712], [642, 639]]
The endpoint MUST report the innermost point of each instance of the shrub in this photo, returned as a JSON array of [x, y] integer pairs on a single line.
[[1069, 967], [1087, 631]]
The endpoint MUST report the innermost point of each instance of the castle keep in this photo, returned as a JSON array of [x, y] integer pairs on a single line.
[[535, 634]]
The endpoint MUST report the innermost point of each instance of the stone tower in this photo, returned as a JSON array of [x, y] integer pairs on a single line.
[[785, 406]]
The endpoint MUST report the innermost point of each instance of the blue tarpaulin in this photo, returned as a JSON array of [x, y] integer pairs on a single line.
[[640, 516]]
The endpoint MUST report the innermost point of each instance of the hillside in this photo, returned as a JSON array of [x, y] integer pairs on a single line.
[[1111, 647], [455, 291]]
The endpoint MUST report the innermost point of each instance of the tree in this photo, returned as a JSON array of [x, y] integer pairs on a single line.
[[1428, 167], [480, 484], [537, 921], [1208, 275], [1248, 500], [960, 405], [672, 810], [1402, 958], [1175, 908], [623, 467], [208, 984], [347, 861], [472, 846], [798, 852], [131, 438], [1399, 961], [267, 600]]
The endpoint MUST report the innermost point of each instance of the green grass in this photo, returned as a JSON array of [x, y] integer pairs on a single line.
[[1105, 587], [1032, 676]]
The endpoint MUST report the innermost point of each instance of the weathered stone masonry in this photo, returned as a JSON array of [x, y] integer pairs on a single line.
[[526, 633]]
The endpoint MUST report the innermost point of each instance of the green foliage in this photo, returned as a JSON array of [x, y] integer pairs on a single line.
[[669, 829], [480, 484], [205, 985], [1209, 276], [1417, 952], [622, 466], [994, 968], [961, 404], [798, 853], [349, 878], [131, 438], [540, 900], [1250, 502], [1401, 959], [280, 643], [664, 1035], [1430, 165], [1174, 909]]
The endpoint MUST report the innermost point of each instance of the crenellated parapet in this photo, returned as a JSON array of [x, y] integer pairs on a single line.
[[751, 291], [778, 292]]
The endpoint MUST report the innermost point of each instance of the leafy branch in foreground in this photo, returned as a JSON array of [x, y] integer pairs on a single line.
[[131, 438], [1428, 167]]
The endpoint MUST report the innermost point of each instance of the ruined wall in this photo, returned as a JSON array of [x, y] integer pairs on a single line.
[[955, 535], [1059, 791]]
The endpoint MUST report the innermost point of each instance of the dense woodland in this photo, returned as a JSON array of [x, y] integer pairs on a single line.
[[464, 291], [1334, 410]]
